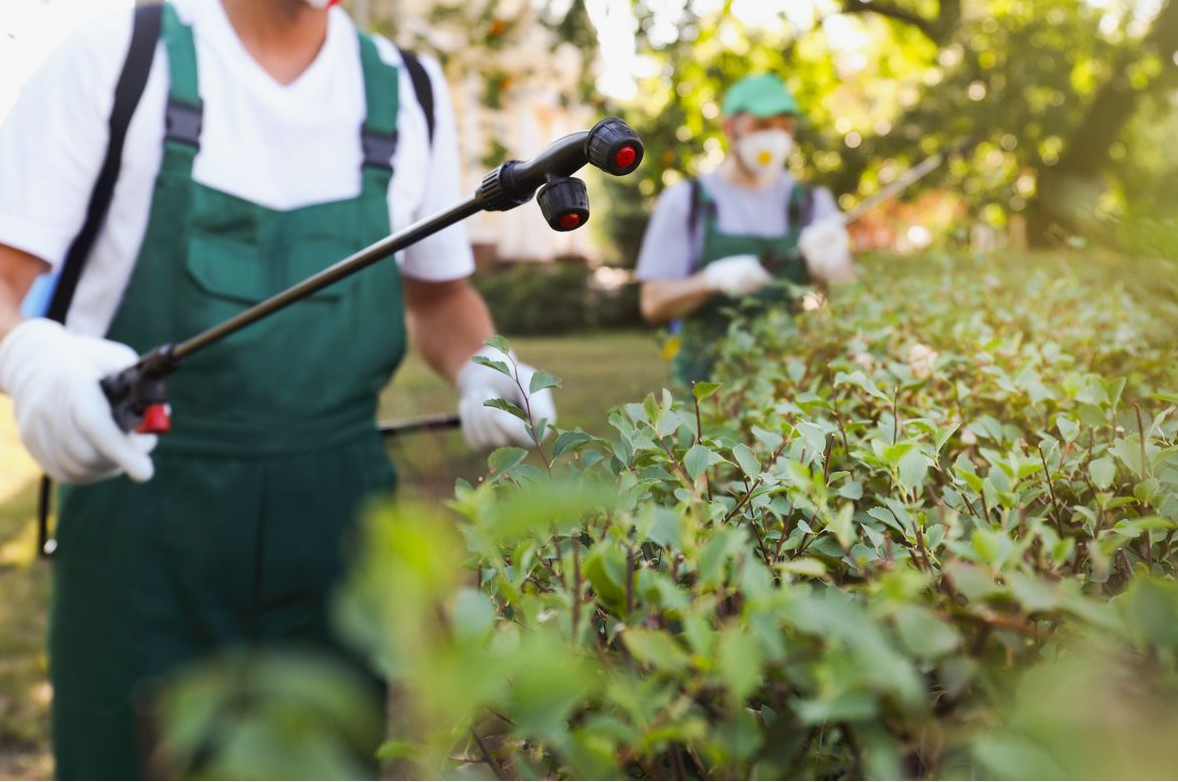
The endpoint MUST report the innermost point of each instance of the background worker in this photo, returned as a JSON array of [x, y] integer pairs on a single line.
[[726, 237], [229, 530]]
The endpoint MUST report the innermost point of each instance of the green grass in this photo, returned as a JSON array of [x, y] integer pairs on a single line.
[[24, 595], [598, 372]]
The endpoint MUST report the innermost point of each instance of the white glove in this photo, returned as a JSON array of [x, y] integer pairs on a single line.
[[63, 417], [737, 275], [826, 246], [487, 427]]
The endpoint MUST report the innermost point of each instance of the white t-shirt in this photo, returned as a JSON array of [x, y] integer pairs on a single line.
[[279, 146], [667, 249]]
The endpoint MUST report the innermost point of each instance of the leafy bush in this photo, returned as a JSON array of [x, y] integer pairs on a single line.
[[545, 299], [834, 564], [926, 532]]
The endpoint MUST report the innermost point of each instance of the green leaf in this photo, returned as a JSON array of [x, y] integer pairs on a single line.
[[503, 459], [570, 441], [723, 546], [814, 435], [1128, 450], [804, 566], [739, 662], [892, 454], [747, 460], [541, 380], [914, 467], [1034, 593], [924, 634], [666, 529], [944, 434], [770, 440], [499, 343], [474, 615], [605, 567], [1068, 429], [698, 459], [702, 390], [1103, 471], [656, 649], [851, 490], [490, 363], [841, 524], [507, 407], [845, 707]]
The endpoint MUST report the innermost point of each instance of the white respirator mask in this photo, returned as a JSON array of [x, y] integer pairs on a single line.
[[763, 153]]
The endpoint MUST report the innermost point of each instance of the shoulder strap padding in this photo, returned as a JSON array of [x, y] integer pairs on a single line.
[[133, 78]]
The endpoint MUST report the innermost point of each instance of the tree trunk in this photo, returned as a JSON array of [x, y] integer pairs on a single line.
[[1069, 190]]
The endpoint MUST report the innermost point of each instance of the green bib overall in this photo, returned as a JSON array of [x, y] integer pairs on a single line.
[[242, 533], [702, 331]]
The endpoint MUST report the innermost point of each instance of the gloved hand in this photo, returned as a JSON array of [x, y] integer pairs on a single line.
[[63, 417], [826, 246], [737, 275], [487, 427]]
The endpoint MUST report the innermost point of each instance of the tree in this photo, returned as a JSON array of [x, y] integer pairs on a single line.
[[1047, 90]]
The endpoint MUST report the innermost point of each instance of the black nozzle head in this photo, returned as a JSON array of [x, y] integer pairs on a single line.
[[614, 147], [564, 203]]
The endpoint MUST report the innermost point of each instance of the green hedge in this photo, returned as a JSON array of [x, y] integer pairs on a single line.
[[928, 532], [533, 299]]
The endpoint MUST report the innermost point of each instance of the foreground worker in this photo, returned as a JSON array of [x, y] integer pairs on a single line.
[[733, 235], [271, 140]]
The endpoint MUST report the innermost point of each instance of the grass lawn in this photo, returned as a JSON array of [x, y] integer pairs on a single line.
[[598, 372]]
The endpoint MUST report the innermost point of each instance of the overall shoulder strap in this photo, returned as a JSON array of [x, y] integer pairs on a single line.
[[145, 33], [801, 206], [421, 88], [136, 67], [697, 194], [701, 200]]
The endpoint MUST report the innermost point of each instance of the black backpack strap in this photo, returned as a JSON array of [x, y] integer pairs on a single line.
[[693, 209], [801, 205], [421, 88], [145, 34], [144, 37], [699, 200]]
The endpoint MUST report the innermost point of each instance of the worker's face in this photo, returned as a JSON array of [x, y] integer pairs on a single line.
[[760, 144]]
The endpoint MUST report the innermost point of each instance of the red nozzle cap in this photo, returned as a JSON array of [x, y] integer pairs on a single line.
[[625, 156], [570, 221], [156, 420]]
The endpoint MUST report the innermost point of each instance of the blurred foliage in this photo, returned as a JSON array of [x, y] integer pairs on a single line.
[[928, 533], [1044, 88], [268, 715], [508, 50], [557, 298], [1064, 98]]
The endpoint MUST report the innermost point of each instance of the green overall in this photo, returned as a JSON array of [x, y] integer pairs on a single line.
[[702, 331], [243, 531]]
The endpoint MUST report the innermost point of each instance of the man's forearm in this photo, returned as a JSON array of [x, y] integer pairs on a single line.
[[448, 322], [18, 270], [665, 300]]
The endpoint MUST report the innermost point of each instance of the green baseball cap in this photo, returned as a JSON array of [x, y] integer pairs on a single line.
[[762, 95]]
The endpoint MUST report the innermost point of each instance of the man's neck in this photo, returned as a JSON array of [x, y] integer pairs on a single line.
[[283, 36], [734, 173]]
